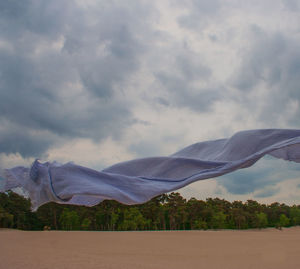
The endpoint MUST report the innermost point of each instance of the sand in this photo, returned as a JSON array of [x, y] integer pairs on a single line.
[[268, 248]]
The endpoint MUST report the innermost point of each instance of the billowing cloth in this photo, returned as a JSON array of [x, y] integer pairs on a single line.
[[137, 181]]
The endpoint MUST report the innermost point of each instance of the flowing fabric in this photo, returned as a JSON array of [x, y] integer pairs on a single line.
[[139, 180]]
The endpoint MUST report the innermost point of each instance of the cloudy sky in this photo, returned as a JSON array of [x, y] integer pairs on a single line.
[[98, 82]]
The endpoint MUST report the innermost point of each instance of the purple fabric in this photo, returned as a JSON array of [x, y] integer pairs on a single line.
[[137, 181]]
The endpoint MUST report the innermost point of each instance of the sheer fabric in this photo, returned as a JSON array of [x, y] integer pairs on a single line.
[[139, 180]]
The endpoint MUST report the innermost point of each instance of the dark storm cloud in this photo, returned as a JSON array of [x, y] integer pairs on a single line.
[[18, 140], [63, 69], [32, 16]]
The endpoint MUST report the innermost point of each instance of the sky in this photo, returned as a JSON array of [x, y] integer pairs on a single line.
[[99, 82]]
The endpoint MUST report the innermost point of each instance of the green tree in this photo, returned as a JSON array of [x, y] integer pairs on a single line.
[[85, 224], [176, 206], [195, 209], [218, 220], [153, 211], [48, 214], [133, 220], [19, 207], [261, 220], [6, 219], [69, 220], [100, 219], [238, 218], [200, 225], [295, 215], [283, 221], [253, 207], [114, 219]]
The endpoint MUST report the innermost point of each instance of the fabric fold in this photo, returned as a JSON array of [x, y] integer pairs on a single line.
[[139, 180]]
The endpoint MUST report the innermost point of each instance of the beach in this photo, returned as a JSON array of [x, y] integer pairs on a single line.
[[266, 248]]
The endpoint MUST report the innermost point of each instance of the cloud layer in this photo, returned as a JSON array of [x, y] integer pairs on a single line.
[[104, 81]]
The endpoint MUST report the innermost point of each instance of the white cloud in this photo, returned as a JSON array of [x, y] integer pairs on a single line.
[[88, 153]]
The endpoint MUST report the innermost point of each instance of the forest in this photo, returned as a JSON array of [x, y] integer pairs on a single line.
[[164, 212]]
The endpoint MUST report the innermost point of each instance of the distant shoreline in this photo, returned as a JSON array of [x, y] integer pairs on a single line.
[[138, 231]]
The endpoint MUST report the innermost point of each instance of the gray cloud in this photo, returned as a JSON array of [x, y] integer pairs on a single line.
[[268, 55], [187, 83], [271, 64], [261, 178], [262, 62], [199, 12], [267, 192], [245, 183], [185, 95], [145, 148], [33, 17], [292, 5], [63, 71]]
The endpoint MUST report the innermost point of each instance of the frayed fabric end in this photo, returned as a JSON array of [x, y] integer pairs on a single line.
[[33, 181], [10, 180]]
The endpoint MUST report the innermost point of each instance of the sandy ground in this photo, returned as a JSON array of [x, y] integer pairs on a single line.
[[176, 249]]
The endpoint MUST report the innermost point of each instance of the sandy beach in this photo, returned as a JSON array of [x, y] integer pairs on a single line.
[[268, 248]]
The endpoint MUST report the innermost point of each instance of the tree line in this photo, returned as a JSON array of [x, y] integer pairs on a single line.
[[164, 212]]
